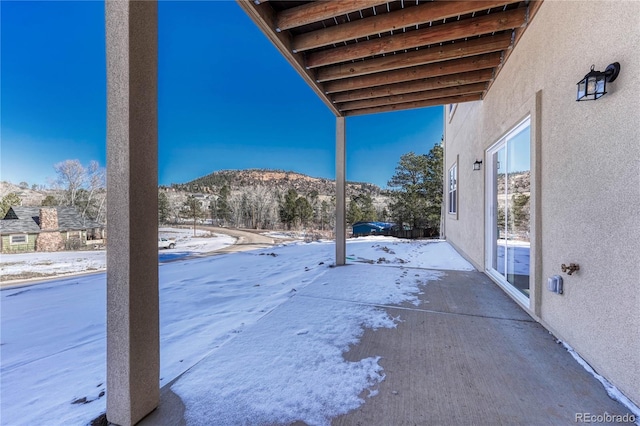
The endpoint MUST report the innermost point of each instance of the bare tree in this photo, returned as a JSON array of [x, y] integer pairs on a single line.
[[176, 201], [71, 177], [95, 180], [235, 205], [260, 201], [270, 211]]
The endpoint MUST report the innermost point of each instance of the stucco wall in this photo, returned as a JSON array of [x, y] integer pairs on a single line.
[[586, 162]]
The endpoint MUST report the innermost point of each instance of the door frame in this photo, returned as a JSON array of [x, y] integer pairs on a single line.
[[491, 213]]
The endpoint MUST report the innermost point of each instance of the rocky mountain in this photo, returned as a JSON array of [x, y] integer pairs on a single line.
[[276, 180]]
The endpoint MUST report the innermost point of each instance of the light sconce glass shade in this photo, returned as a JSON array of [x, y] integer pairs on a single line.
[[477, 165], [594, 85]]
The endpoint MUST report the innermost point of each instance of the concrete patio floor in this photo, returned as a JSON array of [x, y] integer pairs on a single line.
[[467, 355]]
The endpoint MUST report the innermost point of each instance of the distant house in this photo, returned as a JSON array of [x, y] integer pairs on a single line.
[[28, 229], [370, 228]]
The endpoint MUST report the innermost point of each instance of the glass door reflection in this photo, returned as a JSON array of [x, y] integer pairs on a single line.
[[509, 254]]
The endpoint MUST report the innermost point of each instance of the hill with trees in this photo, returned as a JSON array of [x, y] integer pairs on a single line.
[[266, 199]]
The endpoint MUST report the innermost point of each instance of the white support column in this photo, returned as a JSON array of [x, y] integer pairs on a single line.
[[133, 350], [341, 239]]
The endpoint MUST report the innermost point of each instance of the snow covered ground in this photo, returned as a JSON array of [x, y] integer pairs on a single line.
[[52, 358], [34, 265]]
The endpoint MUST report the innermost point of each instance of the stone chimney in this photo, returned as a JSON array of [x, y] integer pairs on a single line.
[[49, 219], [49, 238]]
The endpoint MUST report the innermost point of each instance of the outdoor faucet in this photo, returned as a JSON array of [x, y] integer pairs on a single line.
[[573, 267]]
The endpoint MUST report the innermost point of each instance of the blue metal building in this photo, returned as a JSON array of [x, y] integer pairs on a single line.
[[370, 228]]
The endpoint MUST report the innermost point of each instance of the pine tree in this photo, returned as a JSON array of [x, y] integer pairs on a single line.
[[288, 208], [368, 211], [11, 199], [324, 214], [163, 208], [416, 189], [49, 201], [224, 210], [354, 212], [304, 211]]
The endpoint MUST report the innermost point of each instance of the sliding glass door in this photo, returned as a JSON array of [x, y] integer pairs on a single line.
[[508, 210]]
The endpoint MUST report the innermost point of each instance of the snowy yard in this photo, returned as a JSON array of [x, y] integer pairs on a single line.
[[40, 265], [53, 334]]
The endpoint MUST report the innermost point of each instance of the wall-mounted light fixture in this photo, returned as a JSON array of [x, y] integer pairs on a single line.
[[594, 85], [477, 165]]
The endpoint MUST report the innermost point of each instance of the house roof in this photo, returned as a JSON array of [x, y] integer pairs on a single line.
[[370, 56], [21, 219]]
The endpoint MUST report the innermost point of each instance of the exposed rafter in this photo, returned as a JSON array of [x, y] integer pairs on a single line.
[[476, 88], [397, 20], [417, 57], [455, 66], [456, 30], [319, 11], [433, 83], [413, 105]]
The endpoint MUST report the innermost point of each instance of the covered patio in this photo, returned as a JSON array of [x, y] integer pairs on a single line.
[[449, 361], [466, 355]]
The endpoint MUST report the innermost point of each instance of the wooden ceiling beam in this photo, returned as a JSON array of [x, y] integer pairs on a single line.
[[393, 21], [454, 66], [414, 58], [456, 30], [433, 83], [319, 11], [413, 105], [467, 89]]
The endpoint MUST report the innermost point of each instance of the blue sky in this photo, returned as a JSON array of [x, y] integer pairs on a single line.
[[227, 99]]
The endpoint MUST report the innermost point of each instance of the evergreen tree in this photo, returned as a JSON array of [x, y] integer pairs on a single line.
[[324, 214], [520, 212], [11, 199], [224, 210], [416, 189], [433, 182], [49, 201], [361, 209], [304, 211], [354, 212], [164, 210], [383, 215], [288, 208], [368, 211]]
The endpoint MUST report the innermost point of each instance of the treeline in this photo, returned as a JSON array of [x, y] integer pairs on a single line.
[[256, 207]]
